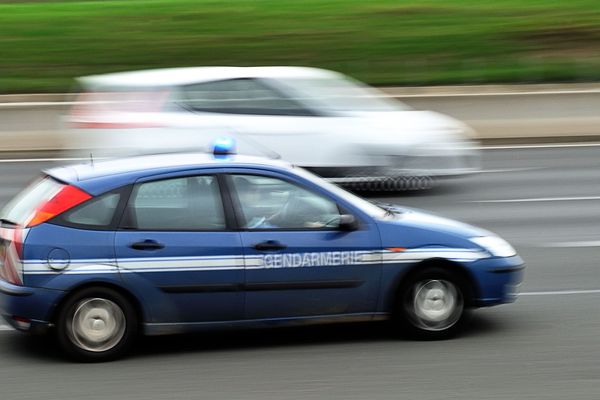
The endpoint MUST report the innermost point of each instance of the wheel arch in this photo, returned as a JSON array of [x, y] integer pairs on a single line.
[[135, 302], [465, 276]]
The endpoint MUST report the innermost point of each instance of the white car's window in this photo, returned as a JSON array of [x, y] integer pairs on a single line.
[[236, 96], [271, 203], [191, 203], [340, 94]]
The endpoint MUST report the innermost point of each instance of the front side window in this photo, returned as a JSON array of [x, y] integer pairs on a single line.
[[271, 203], [237, 96], [190, 203]]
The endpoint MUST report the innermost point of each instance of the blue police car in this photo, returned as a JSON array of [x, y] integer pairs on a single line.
[[165, 244]]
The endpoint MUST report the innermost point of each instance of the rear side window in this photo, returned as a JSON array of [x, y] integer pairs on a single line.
[[22, 206], [180, 204]]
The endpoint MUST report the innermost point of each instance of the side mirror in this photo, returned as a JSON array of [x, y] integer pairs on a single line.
[[348, 222]]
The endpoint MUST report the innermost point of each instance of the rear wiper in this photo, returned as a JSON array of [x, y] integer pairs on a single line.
[[4, 221]]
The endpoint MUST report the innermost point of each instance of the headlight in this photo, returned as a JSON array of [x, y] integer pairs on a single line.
[[495, 246]]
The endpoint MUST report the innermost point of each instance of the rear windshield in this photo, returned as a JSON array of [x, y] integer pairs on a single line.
[[20, 208]]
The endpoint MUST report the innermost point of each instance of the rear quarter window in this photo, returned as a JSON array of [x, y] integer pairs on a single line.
[[97, 212]]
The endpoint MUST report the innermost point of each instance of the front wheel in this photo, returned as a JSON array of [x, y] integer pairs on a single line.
[[96, 324], [431, 305]]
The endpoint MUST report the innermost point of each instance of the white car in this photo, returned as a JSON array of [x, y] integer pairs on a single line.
[[314, 118]]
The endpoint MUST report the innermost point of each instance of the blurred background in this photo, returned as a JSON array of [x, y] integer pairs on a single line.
[[520, 83], [413, 50], [384, 42]]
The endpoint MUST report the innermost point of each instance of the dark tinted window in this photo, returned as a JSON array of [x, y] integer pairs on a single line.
[[237, 96], [191, 203]]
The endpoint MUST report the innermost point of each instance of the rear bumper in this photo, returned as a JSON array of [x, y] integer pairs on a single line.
[[27, 309]]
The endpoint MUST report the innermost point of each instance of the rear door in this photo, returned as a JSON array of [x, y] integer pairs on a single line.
[[175, 242]]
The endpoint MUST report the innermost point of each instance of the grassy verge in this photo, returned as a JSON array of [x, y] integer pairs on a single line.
[[44, 44]]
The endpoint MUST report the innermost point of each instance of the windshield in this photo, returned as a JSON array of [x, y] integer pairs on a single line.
[[341, 94], [365, 206]]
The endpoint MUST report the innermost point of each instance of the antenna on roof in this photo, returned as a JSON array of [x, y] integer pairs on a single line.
[[91, 160]]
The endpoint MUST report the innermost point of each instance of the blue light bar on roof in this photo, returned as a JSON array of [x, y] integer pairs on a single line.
[[224, 146]]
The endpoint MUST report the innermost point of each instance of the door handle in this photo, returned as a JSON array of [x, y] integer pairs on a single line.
[[147, 245], [270, 245]]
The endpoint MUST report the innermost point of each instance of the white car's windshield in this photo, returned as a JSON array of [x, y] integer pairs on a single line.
[[341, 94]]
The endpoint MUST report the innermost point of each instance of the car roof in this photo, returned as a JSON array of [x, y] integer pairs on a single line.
[[189, 75], [117, 172]]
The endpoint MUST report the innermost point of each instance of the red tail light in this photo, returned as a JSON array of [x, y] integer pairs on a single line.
[[9, 271], [114, 125], [66, 198], [18, 241], [117, 110], [11, 252]]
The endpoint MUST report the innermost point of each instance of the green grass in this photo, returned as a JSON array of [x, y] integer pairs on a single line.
[[44, 44]]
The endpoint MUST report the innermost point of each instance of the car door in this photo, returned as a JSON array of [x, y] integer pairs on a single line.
[[298, 262], [175, 246]]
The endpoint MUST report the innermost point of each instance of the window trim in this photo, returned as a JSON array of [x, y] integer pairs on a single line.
[[240, 218], [127, 220]]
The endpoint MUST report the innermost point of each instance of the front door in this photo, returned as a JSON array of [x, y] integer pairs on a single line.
[[298, 262]]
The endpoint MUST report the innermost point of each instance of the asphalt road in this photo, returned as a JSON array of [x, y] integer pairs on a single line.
[[544, 346]]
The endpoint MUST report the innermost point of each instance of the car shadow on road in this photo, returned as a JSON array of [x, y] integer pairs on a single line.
[[45, 349]]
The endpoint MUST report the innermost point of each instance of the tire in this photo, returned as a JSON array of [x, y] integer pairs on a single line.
[[431, 305], [96, 324]]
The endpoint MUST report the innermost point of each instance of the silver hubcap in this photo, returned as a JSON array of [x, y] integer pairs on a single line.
[[436, 305], [97, 325]]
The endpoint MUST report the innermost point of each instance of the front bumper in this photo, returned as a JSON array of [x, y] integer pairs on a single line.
[[498, 280], [27, 309]]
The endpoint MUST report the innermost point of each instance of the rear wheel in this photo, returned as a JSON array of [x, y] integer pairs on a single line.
[[96, 324], [431, 304]]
